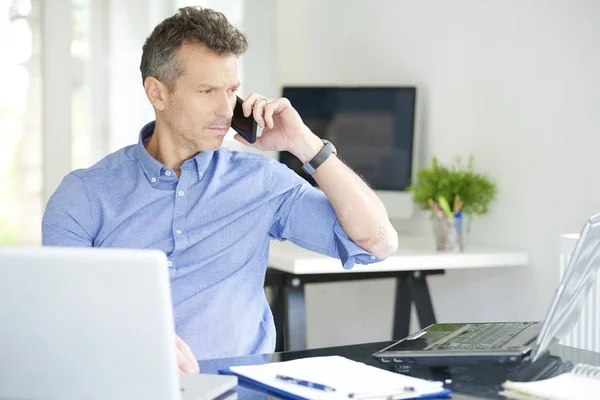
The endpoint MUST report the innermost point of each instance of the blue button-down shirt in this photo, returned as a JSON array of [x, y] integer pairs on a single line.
[[214, 223]]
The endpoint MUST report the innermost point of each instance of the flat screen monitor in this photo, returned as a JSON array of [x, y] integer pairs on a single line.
[[373, 129]]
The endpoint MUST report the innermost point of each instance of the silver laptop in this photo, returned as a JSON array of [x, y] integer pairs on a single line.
[[84, 323], [507, 342]]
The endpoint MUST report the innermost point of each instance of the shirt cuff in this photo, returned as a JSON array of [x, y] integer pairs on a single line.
[[350, 253]]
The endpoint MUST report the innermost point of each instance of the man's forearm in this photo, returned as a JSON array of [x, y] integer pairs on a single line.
[[360, 211]]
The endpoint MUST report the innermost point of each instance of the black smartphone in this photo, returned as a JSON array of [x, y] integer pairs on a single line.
[[245, 126]]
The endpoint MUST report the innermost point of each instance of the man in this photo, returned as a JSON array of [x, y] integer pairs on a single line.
[[211, 210]]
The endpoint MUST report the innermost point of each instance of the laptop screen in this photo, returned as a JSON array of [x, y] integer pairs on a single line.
[[578, 279]]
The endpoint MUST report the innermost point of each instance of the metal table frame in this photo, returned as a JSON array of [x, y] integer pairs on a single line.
[[288, 302]]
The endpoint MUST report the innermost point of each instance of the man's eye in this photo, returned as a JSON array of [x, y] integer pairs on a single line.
[[207, 91]]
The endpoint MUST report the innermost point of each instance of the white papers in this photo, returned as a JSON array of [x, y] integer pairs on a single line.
[[345, 375], [562, 387]]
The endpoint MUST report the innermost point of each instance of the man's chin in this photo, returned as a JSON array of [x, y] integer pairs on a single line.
[[212, 145]]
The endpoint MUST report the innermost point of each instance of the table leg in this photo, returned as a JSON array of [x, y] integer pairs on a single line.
[[278, 309], [289, 312], [295, 316], [402, 308], [420, 294]]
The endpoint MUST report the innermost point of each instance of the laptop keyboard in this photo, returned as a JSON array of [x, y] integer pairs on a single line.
[[484, 336]]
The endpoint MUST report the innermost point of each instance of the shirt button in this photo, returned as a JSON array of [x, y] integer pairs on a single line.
[[372, 257], [168, 173], [179, 231], [181, 193], [169, 264], [153, 180]]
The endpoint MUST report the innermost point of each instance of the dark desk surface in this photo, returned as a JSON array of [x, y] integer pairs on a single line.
[[467, 382]]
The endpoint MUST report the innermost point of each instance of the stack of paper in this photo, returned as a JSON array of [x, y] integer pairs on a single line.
[[350, 379], [563, 387]]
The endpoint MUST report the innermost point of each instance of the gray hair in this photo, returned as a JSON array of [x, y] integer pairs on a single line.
[[189, 24]]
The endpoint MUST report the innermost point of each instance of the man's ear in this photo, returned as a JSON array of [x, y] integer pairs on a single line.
[[157, 92]]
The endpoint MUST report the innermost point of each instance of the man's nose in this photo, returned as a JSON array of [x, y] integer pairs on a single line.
[[225, 107]]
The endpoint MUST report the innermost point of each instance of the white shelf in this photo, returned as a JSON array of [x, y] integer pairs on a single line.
[[414, 253]]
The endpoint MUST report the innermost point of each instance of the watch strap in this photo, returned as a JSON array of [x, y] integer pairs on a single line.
[[311, 166]]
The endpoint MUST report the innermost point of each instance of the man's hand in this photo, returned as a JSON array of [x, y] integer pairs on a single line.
[[185, 359], [283, 129]]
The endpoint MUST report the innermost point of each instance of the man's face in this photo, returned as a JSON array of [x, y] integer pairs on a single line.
[[199, 109]]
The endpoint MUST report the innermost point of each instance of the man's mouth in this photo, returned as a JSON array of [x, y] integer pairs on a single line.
[[219, 129]]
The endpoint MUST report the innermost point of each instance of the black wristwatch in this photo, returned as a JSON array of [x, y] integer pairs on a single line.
[[327, 150]]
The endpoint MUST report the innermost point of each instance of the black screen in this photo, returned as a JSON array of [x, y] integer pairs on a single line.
[[372, 129]]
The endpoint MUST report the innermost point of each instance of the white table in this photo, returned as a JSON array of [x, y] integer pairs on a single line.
[[291, 267]]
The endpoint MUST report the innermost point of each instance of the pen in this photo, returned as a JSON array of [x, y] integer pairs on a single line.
[[403, 393], [437, 211], [304, 383]]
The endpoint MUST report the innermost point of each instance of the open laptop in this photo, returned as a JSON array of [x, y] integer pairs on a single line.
[[84, 323], [507, 342]]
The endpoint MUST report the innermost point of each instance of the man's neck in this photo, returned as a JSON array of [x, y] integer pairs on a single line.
[[162, 148]]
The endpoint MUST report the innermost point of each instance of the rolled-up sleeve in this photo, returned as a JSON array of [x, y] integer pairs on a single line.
[[304, 216]]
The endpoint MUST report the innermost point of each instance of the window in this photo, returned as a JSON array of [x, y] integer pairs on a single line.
[[81, 145], [33, 158], [20, 122]]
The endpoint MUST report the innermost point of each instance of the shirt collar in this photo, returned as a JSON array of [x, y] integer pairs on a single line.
[[153, 168], [202, 161]]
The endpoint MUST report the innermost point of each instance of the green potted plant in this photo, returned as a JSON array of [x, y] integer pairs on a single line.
[[453, 193]]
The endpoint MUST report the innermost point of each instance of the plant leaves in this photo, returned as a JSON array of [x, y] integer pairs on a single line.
[[475, 190]]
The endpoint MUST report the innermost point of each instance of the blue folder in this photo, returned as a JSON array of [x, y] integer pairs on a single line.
[[256, 385]]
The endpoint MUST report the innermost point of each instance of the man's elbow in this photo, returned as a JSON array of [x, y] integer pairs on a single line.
[[383, 243]]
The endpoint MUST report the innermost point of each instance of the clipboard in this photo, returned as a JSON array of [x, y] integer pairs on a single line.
[[344, 375]]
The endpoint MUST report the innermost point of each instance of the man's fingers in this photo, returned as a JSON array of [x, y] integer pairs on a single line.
[[183, 364], [268, 115], [187, 355], [263, 110], [248, 104], [259, 107]]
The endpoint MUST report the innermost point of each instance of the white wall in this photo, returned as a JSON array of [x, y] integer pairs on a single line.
[[515, 83]]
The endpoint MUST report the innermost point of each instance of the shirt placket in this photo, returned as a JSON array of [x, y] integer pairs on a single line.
[[180, 210]]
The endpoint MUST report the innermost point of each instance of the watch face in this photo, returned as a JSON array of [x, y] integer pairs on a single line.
[[332, 145]]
